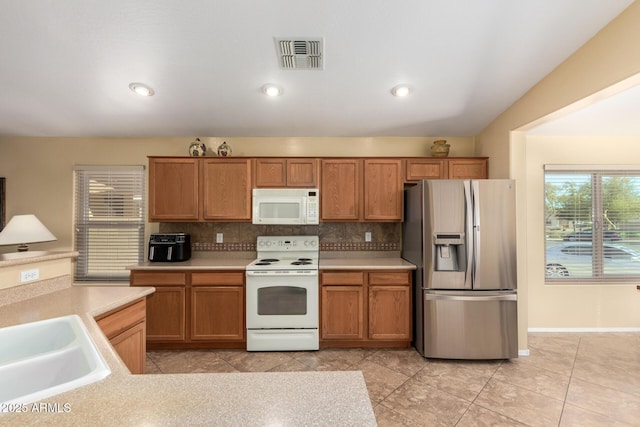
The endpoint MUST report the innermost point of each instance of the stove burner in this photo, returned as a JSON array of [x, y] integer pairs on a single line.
[[301, 262], [262, 263], [304, 259], [269, 260]]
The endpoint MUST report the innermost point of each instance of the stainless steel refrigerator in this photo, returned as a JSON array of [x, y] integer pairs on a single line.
[[461, 235]]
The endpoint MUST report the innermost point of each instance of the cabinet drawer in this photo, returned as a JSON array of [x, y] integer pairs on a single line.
[[116, 321], [342, 278], [235, 278], [144, 278], [390, 278]]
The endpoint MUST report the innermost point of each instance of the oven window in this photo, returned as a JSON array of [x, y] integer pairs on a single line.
[[282, 300]]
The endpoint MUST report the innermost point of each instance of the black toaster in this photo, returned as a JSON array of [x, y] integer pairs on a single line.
[[169, 247]]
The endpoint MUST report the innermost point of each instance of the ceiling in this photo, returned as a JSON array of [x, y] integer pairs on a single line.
[[66, 65], [615, 115]]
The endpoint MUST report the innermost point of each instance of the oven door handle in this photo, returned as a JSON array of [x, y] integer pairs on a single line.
[[305, 273]]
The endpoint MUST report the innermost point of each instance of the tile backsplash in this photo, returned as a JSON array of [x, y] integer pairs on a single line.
[[334, 236]]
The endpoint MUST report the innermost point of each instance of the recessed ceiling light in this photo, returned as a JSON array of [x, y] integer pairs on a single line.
[[141, 89], [272, 90], [401, 90]]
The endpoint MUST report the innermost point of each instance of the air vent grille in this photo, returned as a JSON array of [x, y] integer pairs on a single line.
[[300, 53]]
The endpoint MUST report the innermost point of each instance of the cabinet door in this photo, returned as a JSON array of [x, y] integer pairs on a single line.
[[217, 313], [125, 327], [217, 306], [226, 189], [468, 168], [417, 169], [390, 312], [342, 312], [166, 314], [383, 190], [302, 173], [270, 173], [173, 189], [131, 347], [390, 305], [340, 189]]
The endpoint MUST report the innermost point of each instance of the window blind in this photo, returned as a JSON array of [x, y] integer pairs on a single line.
[[592, 224], [109, 221]]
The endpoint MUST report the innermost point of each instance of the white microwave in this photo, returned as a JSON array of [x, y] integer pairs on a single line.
[[286, 206]]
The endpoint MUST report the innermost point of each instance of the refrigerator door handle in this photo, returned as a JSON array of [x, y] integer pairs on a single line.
[[469, 271], [475, 191]]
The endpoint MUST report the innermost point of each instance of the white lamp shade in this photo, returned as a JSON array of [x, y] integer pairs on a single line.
[[25, 229]]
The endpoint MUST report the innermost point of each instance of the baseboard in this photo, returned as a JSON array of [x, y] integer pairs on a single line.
[[583, 330], [522, 353]]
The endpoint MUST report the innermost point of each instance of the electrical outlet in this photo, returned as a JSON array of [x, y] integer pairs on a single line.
[[29, 275], [219, 238], [367, 236]]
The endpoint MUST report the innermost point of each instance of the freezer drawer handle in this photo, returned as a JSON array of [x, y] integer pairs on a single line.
[[509, 297]]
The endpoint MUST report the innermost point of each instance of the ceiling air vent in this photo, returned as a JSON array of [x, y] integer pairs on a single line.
[[300, 53]]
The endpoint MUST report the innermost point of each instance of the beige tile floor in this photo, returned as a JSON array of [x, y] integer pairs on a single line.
[[568, 379]]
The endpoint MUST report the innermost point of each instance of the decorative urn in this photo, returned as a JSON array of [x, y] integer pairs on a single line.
[[440, 148], [197, 148]]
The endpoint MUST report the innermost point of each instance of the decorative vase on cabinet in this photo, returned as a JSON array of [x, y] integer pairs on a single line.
[[440, 148], [197, 148], [224, 150]]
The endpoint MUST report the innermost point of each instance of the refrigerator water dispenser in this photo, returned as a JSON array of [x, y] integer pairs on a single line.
[[449, 252]]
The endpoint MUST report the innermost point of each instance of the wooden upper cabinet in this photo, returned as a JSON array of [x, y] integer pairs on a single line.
[[302, 173], [340, 189], [271, 173], [173, 189], [276, 173], [417, 169], [226, 189], [468, 168], [383, 190]]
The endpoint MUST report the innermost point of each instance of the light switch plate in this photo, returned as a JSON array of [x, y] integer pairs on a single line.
[[219, 238]]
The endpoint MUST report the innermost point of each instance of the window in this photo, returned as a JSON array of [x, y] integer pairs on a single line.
[[592, 224], [109, 221]]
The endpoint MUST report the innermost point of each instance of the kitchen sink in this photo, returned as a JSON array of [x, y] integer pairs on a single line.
[[45, 358]]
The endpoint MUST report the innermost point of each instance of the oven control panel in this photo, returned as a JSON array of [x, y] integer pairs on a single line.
[[288, 243]]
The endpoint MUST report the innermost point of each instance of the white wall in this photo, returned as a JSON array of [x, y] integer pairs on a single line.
[[573, 306]]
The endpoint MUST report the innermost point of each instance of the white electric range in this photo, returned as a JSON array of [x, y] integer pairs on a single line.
[[282, 294]]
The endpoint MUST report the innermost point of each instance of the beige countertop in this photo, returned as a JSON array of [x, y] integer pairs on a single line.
[[299, 398], [365, 264], [333, 262], [196, 264]]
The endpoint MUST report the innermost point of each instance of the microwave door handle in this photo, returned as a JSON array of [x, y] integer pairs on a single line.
[[169, 253], [152, 252]]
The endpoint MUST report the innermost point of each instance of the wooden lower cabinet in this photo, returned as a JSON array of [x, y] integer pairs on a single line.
[[365, 308], [125, 328], [342, 312], [217, 307], [166, 307], [194, 309]]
